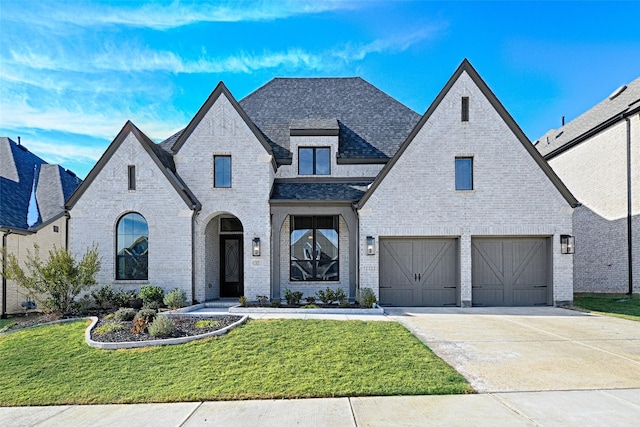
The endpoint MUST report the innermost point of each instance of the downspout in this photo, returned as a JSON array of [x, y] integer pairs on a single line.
[[196, 211], [66, 229], [629, 209], [4, 279], [356, 209]]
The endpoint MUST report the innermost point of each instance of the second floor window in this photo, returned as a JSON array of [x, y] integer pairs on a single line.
[[314, 161], [222, 171]]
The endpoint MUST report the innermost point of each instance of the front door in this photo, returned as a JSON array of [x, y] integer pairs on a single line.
[[231, 274]]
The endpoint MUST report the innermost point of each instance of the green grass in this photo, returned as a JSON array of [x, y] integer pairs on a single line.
[[265, 359], [618, 305], [5, 322]]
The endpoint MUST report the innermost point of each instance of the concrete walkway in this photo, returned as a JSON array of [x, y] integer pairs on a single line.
[[588, 365], [554, 408]]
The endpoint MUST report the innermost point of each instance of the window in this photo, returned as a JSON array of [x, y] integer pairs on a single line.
[[465, 108], [132, 177], [464, 173], [314, 161], [222, 171], [132, 248], [314, 248]]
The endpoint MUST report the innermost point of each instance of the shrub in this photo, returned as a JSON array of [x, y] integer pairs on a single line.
[[81, 306], [162, 326], [262, 300], [125, 314], [110, 327], [310, 299], [56, 282], [154, 305], [176, 299], [310, 306], [151, 294], [339, 295], [345, 303], [207, 323], [142, 320], [243, 301], [122, 297], [105, 297], [293, 298], [326, 296], [366, 297], [276, 303]]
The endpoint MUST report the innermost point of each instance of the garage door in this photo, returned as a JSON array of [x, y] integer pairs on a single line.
[[510, 271], [418, 272]]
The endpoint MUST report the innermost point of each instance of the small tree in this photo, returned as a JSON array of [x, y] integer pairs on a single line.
[[56, 282]]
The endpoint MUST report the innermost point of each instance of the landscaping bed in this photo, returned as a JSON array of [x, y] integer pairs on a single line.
[[185, 327]]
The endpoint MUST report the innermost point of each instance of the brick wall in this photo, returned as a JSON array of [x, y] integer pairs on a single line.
[[21, 246], [596, 173], [223, 132], [511, 197], [94, 218]]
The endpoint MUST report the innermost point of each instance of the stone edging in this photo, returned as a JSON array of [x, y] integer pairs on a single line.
[[169, 341], [273, 310]]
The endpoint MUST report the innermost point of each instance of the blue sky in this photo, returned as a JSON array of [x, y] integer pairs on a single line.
[[72, 73]]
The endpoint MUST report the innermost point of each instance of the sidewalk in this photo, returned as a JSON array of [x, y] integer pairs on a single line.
[[552, 408]]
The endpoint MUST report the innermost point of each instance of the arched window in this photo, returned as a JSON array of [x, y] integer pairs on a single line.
[[132, 248]]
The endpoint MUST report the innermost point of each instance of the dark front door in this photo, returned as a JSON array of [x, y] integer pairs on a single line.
[[231, 274]]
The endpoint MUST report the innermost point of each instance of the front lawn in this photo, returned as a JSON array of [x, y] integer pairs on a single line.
[[264, 359], [618, 305]]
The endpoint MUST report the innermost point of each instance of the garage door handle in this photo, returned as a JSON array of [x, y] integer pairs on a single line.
[[419, 277], [415, 277]]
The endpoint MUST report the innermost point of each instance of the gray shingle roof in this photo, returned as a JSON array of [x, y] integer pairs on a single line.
[[320, 191], [371, 123], [604, 111], [16, 188]]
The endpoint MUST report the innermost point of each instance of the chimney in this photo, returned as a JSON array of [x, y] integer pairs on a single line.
[[18, 140], [562, 120]]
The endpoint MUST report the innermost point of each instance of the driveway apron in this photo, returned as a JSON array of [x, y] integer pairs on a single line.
[[530, 348]]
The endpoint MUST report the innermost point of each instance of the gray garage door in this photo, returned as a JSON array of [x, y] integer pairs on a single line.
[[510, 271], [418, 272]]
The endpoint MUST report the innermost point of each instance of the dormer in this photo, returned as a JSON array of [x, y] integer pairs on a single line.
[[314, 146]]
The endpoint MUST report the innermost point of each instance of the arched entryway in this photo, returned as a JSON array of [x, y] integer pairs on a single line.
[[224, 271]]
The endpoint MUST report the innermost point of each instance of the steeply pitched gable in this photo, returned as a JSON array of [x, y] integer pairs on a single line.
[[179, 139], [161, 158], [466, 67]]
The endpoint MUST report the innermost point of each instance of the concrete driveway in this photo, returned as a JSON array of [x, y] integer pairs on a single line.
[[530, 349]]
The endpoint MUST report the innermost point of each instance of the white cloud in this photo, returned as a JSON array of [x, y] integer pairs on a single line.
[[164, 15]]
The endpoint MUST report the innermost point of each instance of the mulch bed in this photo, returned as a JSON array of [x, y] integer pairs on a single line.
[[185, 326]]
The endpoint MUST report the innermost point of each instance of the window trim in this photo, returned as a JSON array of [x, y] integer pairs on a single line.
[[470, 159], [464, 116], [313, 278], [131, 177], [117, 256], [215, 183], [314, 161]]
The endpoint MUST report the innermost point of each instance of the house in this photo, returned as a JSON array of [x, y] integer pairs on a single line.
[[32, 197], [310, 183], [597, 155]]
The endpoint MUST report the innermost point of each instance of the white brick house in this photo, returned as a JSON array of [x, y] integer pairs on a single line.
[[289, 187], [596, 155]]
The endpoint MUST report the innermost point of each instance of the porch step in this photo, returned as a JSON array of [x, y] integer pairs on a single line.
[[221, 303]]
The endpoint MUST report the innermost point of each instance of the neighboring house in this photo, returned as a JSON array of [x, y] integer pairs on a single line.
[[310, 183], [597, 155], [32, 197]]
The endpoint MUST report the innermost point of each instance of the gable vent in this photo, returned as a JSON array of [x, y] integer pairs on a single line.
[[617, 92]]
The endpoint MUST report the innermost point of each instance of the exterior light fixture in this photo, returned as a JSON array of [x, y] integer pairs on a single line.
[[256, 246], [567, 244], [371, 245]]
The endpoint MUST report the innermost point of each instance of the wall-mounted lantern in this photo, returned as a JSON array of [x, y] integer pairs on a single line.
[[256, 246], [371, 245], [567, 244]]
